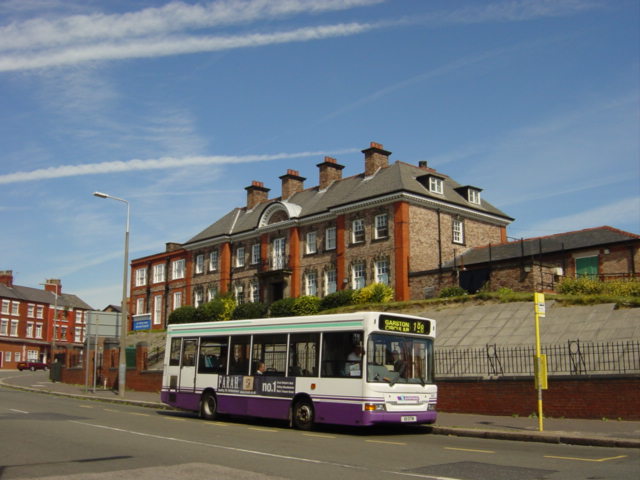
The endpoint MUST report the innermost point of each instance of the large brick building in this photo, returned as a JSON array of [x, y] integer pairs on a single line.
[[388, 224], [27, 323]]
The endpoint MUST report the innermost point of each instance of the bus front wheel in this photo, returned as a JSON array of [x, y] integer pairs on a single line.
[[208, 406], [303, 415]]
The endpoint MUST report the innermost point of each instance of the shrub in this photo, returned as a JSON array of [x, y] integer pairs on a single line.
[[186, 314], [219, 309], [282, 308], [250, 310], [374, 293], [337, 299], [307, 305], [452, 292], [590, 286]]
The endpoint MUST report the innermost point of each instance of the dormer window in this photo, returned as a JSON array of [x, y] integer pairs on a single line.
[[436, 185], [473, 195]]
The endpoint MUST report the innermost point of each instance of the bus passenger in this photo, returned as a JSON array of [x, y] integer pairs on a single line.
[[261, 368]]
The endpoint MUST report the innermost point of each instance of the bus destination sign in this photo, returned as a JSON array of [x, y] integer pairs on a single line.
[[404, 325]]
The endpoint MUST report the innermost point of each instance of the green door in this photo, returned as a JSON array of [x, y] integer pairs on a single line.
[[587, 267]]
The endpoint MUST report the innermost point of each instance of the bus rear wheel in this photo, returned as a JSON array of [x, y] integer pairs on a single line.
[[303, 415], [208, 406]]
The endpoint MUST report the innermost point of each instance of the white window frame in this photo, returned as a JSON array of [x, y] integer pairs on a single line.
[[213, 260], [238, 293], [311, 245], [177, 269], [141, 277], [29, 331], [140, 306], [381, 223], [14, 328], [40, 311], [474, 196], [254, 293], [198, 298], [330, 281], [240, 260], [157, 310], [211, 293], [38, 330], [436, 185], [77, 335], [6, 307], [177, 300], [17, 356], [358, 281], [255, 254], [357, 231], [158, 273], [457, 227], [199, 263], [15, 308], [382, 271], [330, 238], [31, 310], [7, 356], [311, 283]]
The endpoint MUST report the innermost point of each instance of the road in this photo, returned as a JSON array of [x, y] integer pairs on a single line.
[[45, 436]]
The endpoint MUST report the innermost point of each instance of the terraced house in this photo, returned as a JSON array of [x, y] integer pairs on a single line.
[[390, 224]]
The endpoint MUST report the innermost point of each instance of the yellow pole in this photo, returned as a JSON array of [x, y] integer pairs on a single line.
[[539, 310]]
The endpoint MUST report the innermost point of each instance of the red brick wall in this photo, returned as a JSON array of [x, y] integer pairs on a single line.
[[583, 397]]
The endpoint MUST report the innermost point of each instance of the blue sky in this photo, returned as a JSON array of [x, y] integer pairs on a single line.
[[177, 106]]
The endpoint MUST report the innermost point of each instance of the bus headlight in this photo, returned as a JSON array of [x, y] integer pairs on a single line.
[[374, 407], [431, 406]]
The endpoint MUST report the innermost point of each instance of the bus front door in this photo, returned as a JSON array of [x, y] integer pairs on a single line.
[[188, 363]]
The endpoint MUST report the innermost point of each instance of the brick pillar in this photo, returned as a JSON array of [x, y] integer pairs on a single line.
[[294, 254], [110, 361], [142, 353], [225, 267], [401, 241], [340, 249]]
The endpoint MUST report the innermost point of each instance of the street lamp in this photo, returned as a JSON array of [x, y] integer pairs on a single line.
[[122, 367]]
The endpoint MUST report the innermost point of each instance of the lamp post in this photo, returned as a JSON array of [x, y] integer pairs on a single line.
[[122, 367]]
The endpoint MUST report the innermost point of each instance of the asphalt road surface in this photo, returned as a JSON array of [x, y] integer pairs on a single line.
[[44, 436]]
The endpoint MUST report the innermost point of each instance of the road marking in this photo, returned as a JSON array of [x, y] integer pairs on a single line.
[[139, 414], [385, 442], [421, 475], [85, 406], [606, 459], [111, 410], [176, 419], [262, 429], [217, 424], [17, 411], [221, 447], [469, 450], [319, 435]]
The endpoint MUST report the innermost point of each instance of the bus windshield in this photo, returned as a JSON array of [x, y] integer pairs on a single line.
[[395, 359]]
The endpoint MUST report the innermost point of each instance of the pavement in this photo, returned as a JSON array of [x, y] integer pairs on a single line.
[[601, 433]]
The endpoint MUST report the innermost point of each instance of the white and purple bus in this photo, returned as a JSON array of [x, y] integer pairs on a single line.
[[363, 368]]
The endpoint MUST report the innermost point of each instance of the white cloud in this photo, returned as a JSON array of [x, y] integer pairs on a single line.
[[149, 164]]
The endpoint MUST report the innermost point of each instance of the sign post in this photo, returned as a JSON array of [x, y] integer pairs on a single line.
[[540, 360]]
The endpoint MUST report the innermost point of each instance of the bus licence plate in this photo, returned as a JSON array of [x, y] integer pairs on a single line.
[[408, 418]]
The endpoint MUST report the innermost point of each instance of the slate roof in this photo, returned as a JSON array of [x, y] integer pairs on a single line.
[[397, 177], [35, 295], [580, 239]]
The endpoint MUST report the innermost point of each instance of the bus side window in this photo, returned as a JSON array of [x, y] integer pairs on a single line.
[[342, 354], [213, 355], [239, 360], [174, 358], [189, 349], [303, 354]]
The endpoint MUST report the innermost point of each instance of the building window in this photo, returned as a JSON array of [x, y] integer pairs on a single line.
[[140, 306], [177, 300], [382, 226], [311, 283], [141, 277], [14, 328], [157, 309], [213, 261], [382, 271], [330, 283], [79, 316], [474, 196], [31, 310], [240, 257], [158, 273], [255, 292], [255, 254], [311, 243], [238, 292], [458, 231], [39, 311], [358, 275], [212, 292], [17, 356], [436, 185], [177, 269], [6, 305], [330, 238], [7, 356], [357, 231], [29, 332], [15, 308], [200, 263], [38, 330], [198, 298], [32, 355], [77, 336]]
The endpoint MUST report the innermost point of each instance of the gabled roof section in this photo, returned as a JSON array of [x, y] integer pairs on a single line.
[[35, 295], [397, 178], [580, 239]]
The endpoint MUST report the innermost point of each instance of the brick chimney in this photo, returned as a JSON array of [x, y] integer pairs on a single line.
[[6, 277], [330, 171], [172, 246], [375, 157], [256, 193], [53, 285], [292, 183]]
